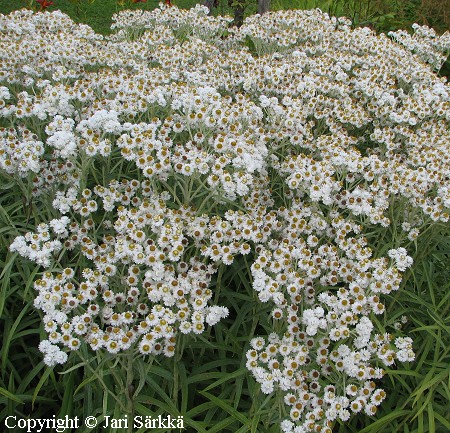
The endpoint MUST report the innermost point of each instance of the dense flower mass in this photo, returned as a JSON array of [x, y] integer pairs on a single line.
[[291, 140]]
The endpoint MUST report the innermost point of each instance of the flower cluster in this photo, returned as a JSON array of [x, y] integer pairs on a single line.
[[177, 145], [424, 42]]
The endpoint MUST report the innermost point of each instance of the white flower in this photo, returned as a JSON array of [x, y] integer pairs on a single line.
[[52, 354], [401, 258], [59, 226], [215, 314]]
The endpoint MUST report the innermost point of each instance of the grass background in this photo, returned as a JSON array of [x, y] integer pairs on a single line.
[[210, 387], [383, 15]]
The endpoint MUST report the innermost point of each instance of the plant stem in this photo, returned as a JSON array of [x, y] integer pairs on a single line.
[[130, 390]]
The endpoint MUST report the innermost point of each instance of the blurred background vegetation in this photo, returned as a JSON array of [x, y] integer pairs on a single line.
[[382, 15]]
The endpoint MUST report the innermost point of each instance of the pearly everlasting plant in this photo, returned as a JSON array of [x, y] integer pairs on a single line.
[[170, 148]]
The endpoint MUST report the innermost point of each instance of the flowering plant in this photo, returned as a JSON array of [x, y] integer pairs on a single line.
[[44, 4], [300, 157]]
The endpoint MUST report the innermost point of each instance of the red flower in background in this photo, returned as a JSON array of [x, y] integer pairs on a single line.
[[139, 1], [168, 3], [44, 4]]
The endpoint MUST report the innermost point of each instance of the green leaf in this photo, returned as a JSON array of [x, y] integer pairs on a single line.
[[385, 420], [48, 371], [227, 408], [226, 378], [10, 395]]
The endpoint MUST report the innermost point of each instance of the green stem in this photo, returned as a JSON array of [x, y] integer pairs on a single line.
[[175, 378], [130, 390], [84, 170], [101, 381]]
